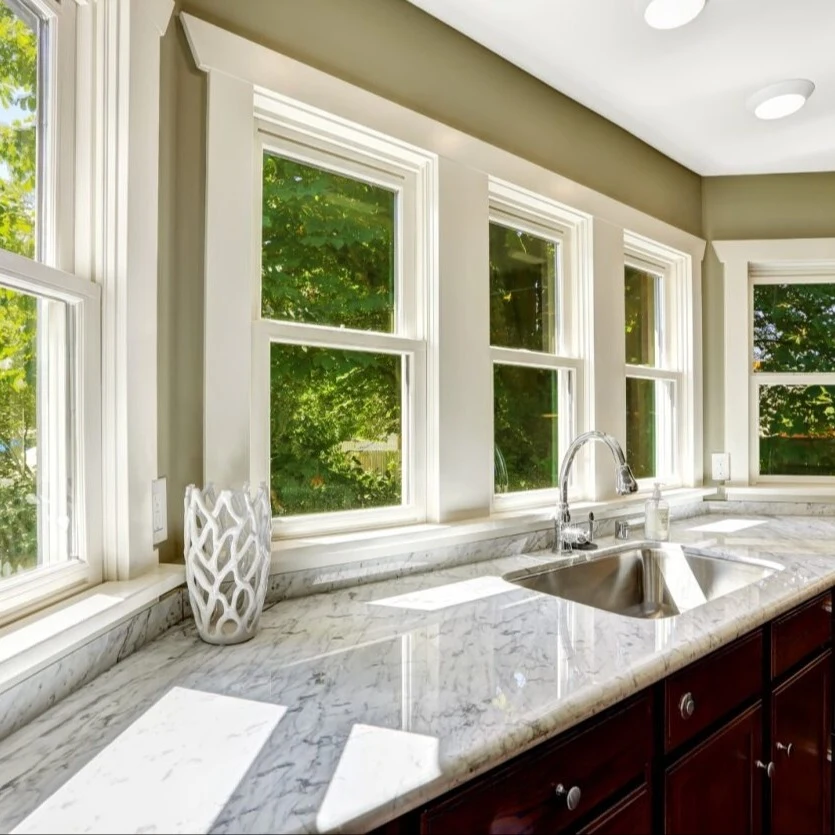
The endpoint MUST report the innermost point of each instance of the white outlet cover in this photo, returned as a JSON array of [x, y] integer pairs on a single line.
[[720, 464], [159, 509]]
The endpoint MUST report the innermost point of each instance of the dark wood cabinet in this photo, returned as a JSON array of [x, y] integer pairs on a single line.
[[632, 816], [801, 724], [704, 751], [557, 783], [718, 786]]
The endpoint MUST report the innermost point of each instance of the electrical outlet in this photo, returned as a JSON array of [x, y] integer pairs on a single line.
[[159, 505], [720, 463]]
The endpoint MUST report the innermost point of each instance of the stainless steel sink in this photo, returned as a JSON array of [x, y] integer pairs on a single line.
[[646, 580]]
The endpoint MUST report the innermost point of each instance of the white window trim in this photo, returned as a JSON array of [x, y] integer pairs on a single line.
[[529, 212], [798, 256], [681, 334], [460, 466]]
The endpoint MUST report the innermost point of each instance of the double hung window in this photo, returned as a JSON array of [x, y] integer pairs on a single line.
[[534, 316], [339, 346], [49, 331], [653, 377], [793, 376]]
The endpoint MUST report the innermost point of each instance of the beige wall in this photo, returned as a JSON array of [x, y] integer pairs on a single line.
[[756, 207]]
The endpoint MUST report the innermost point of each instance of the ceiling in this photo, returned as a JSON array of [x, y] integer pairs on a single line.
[[683, 91]]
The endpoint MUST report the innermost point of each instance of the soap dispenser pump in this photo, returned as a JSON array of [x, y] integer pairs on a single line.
[[657, 516]]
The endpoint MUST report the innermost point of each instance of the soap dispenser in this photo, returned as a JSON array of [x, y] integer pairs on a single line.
[[657, 516]]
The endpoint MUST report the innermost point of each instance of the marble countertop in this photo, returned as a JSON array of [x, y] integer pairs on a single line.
[[351, 708]]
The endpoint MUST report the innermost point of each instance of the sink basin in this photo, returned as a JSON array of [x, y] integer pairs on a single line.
[[646, 580]]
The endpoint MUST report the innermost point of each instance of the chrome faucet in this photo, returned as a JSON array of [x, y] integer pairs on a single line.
[[567, 536]]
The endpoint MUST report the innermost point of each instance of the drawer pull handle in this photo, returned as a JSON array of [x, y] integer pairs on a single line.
[[572, 796], [687, 705], [786, 748], [827, 607], [767, 767]]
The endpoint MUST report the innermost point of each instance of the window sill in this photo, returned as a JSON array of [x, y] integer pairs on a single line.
[[336, 549], [41, 639], [781, 493]]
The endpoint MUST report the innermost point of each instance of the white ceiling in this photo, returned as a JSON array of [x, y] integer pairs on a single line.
[[684, 90]]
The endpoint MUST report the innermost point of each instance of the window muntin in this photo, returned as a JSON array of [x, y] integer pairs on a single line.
[[533, 348], [792, 377], [339, 313], [652, 376]]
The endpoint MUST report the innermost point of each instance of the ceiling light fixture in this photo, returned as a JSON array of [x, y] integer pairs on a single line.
[[782, 99], [670, 14]]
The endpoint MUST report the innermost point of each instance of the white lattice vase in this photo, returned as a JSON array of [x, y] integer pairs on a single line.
[[227, 551]]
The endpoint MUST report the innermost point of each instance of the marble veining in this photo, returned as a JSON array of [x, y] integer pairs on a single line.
[[432, 696]]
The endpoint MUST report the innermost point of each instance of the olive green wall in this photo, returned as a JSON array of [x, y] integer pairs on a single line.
[[752, 207]]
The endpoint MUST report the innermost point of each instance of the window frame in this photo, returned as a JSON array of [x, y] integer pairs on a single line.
[[764, 275], [408, 338], [69, 355], [674, 356], [534, 214]]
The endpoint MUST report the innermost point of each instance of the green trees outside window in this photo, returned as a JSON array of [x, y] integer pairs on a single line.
[[18, 311], [329, 258], [794, 332]]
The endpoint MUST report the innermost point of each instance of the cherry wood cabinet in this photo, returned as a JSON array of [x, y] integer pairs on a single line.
[[632, 816], [737, 742], [718, 786], [801, 724]]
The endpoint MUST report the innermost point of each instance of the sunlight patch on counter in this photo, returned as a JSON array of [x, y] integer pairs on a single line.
[[728, 525], [172, 770], [377, 765], [452, 594]]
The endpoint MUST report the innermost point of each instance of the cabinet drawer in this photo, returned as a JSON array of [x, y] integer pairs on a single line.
[[700, 694], [632, 816], [522, 796], [799, 633]]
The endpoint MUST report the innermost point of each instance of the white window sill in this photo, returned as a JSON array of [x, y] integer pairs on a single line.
[[39, 640], [337, 549], [782, 493]]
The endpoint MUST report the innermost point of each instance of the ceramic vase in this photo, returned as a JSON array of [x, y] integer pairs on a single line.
[[227, 553]]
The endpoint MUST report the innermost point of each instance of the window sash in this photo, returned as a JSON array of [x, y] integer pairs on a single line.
[[672, 427], [408, 339], [73, 372]]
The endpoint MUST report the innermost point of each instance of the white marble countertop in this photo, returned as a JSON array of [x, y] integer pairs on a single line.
[[344, 713]]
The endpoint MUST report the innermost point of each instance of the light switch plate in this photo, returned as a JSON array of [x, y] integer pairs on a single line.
[[720, 463], [159, 504]]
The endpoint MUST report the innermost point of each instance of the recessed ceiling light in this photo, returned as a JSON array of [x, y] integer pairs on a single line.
[[670, 14], [781, 99]]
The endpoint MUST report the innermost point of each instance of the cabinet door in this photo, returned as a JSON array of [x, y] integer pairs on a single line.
[[718, 786], [800, 796], [632, 816]]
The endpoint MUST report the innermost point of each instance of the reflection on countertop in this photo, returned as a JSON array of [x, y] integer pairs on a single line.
[[394, 692]]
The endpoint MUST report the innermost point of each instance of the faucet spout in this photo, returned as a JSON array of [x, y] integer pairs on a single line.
[[624, 480]]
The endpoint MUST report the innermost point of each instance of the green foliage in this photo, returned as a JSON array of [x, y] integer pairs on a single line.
[[793, 327], [18, 312], [328, 258]]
